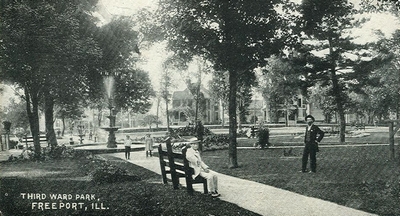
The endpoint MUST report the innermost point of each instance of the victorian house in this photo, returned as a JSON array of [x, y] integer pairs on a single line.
[[184, 108]]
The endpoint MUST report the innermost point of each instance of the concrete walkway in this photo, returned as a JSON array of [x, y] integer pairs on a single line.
[[256, 197]]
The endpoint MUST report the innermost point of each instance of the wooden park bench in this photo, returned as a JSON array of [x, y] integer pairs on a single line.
[[176, 165], [29, 139]]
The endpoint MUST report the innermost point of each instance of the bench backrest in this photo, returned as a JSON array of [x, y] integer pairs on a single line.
[[42, 138], [178, 168], [170, 159]]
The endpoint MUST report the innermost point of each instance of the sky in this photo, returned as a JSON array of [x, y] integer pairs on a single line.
[[154, 56]]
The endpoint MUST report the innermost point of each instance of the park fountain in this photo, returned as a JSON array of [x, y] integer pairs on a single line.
[[111, 129]]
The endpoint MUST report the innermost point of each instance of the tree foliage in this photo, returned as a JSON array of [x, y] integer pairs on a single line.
[[58, 55], [149, 120], [281, 82], [44, 52], [133, 90], [236, 36], [327, 23], [15, 113]]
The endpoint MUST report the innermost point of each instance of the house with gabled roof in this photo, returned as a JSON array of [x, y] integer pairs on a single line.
[[184, 108]]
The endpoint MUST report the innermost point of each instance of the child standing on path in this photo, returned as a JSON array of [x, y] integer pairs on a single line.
[[127, 144], [148, 145]]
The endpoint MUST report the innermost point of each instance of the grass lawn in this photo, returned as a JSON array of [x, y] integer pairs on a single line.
[[77, 194], [357, 177]]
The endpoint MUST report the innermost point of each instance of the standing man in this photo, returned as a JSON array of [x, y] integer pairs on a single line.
[[312, 138]]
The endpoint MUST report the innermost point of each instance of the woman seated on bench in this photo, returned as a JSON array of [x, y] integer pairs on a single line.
[[200, 168]]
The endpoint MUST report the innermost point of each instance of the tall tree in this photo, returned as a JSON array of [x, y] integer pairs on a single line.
[[149, 120], [280, 83], [236, 36], [165, 87], [218, 86], [131, 87], [133, 90], [40, 44], [195, 87], [68, 111], [326, 22]]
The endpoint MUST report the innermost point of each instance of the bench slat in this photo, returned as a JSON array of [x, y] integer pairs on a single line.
[[176, 165]]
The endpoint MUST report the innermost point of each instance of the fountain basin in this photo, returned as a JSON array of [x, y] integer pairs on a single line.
[[108, 129], [101, 148]]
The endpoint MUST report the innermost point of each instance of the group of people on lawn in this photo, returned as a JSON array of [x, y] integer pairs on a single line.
[[312, 138]]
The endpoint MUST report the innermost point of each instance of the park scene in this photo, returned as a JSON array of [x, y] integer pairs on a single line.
[[293, 105]]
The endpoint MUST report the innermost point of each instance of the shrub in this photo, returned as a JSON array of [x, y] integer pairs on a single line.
[[55, 152], [187, 131], [216, 141], [263, 137], [108, 173], [12, 144], [242, 132]]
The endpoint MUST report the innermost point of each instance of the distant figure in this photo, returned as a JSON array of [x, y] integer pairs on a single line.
[[199, 130], [95, 137], [253, 132], [127, 144], [148, 141], [71, 141], [199, 133], [90, 135], [312, 137], [200, 168]]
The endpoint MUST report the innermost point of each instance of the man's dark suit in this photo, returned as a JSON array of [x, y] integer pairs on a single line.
[[311, 140]]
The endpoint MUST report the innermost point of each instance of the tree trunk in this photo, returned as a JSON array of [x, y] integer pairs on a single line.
[[49, 121], [33, 115], [391, 140], [158, 107], [223, 114], [339, 107], [99, 117], [232, 120], [166, 111], [338, 96], [63, 124], [287, 116]]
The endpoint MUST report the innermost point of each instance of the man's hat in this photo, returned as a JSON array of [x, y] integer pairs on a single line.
[[194, 140], [310, 116]]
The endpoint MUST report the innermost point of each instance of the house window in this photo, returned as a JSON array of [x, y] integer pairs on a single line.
[[216, 107]]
